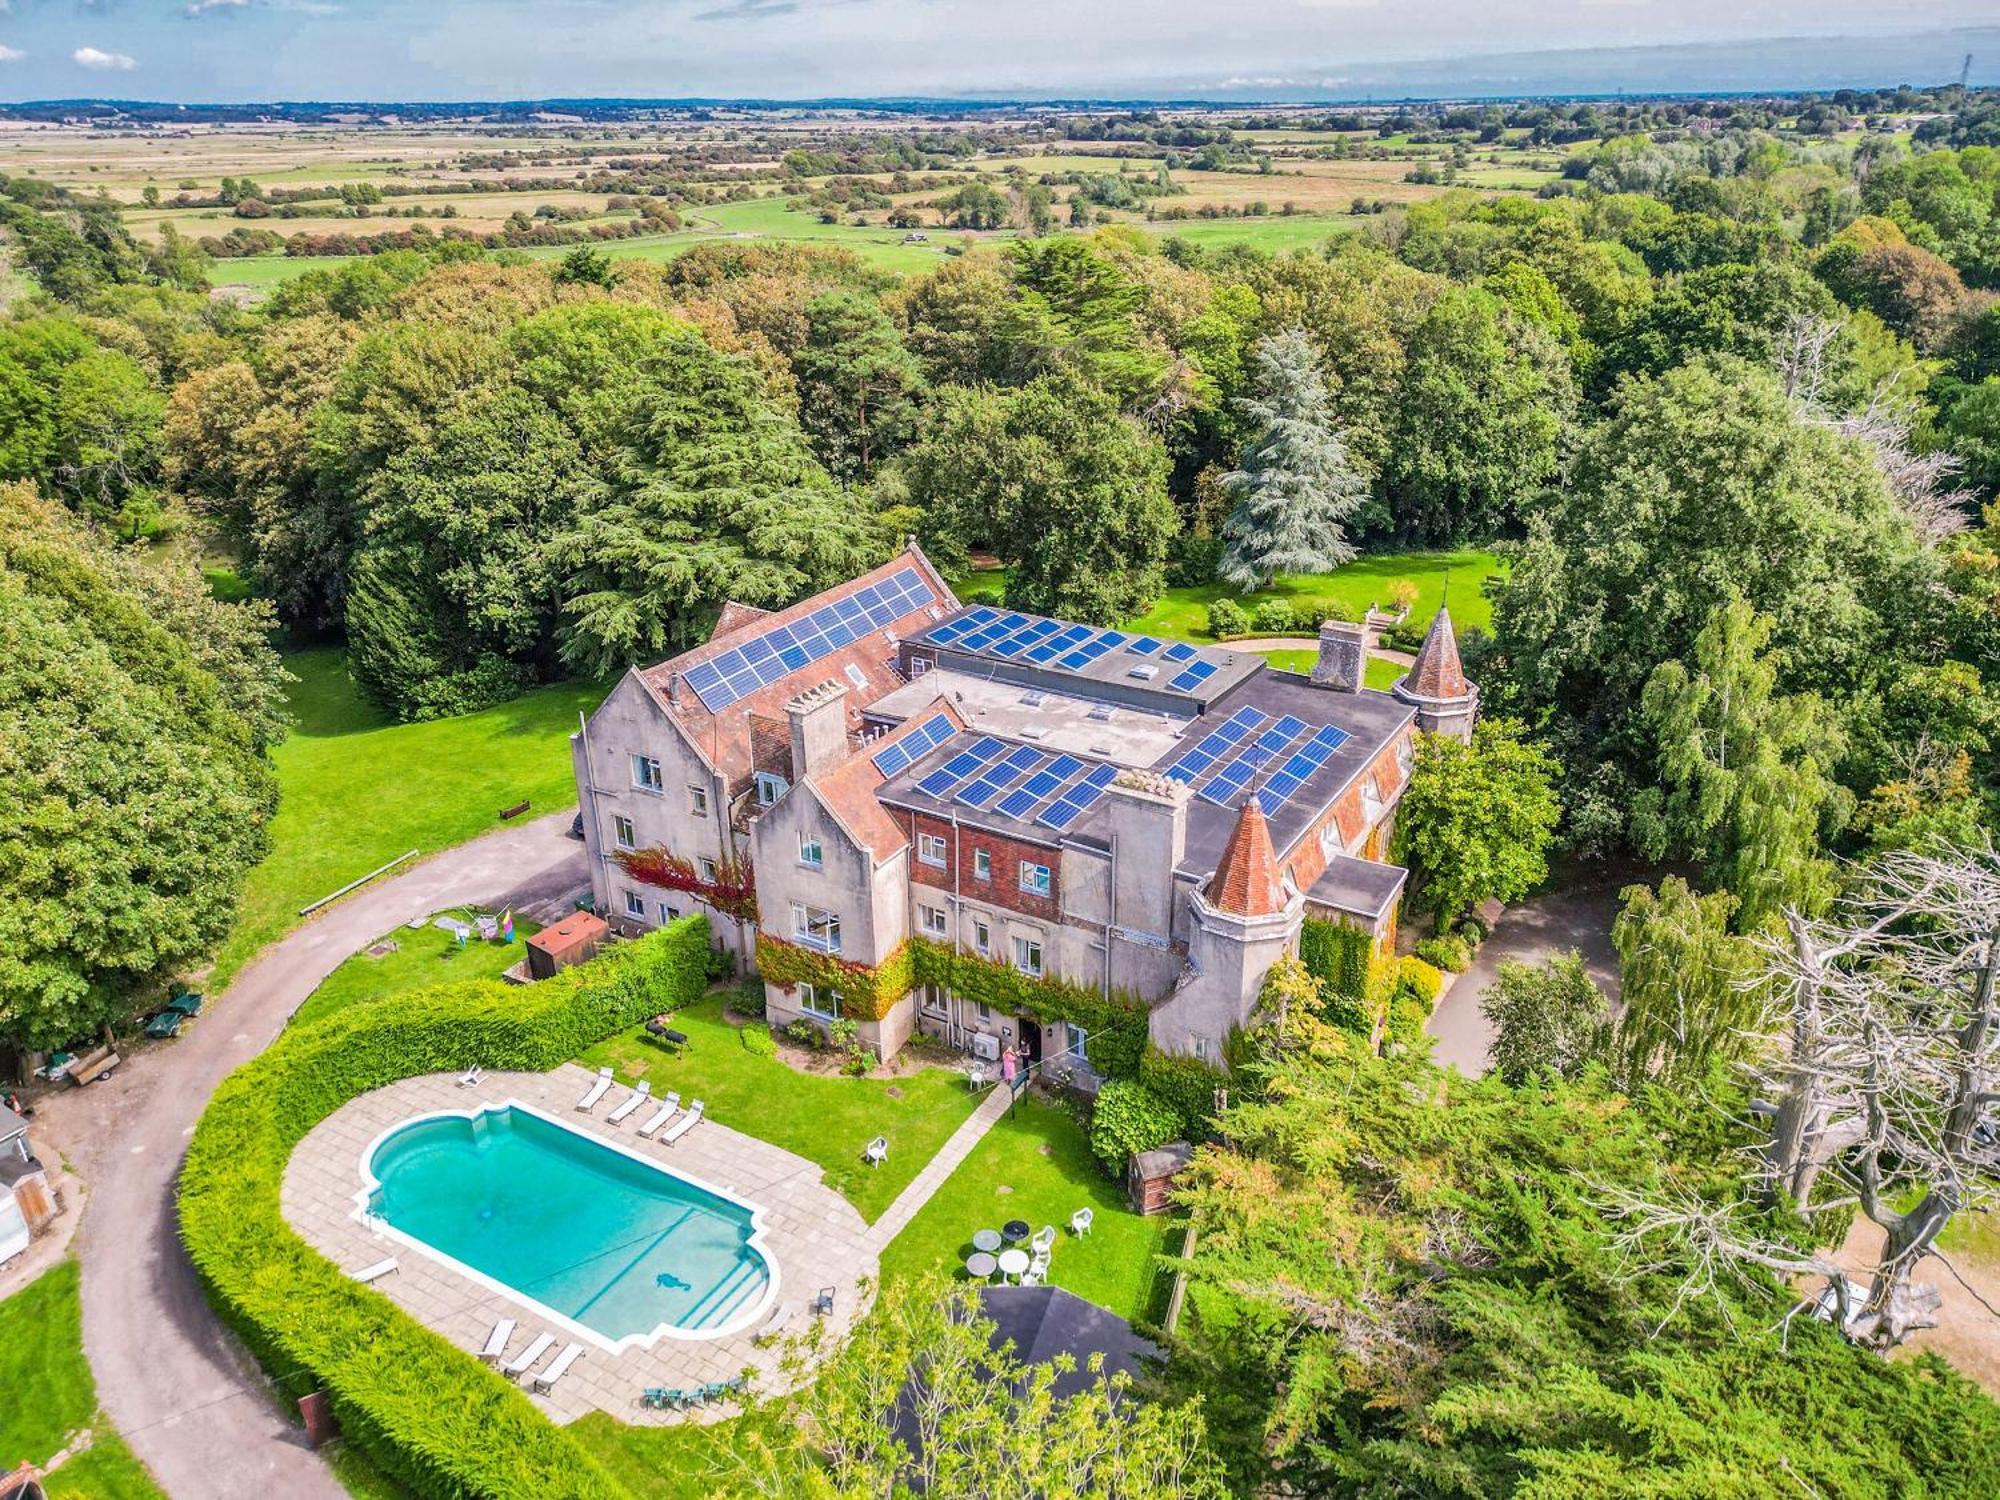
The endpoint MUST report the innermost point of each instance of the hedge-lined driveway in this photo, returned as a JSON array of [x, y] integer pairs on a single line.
[[176, 1385]]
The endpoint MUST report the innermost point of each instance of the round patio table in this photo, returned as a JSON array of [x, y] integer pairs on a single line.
[[1013, 1262], [986, 1239], [979, 1265], [1016, 1230]]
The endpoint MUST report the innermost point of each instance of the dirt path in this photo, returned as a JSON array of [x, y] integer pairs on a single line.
[[177, 1386], [1968, 1331]]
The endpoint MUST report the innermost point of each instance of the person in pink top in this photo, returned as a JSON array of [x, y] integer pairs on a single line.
[[1007, 1066]]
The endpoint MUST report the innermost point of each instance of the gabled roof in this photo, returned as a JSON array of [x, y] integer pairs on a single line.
[[1437, 672], [1246, 882], [849, 789], [735, 617], [866, 666]]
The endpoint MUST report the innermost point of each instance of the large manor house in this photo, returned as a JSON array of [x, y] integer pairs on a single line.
[[879, 766]]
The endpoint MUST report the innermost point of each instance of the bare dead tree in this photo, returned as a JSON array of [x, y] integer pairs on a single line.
[[1920, 482]]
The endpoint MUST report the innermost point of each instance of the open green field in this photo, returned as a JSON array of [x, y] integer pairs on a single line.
[[358, 789], [49, 1395], [1183, 612], [1035, 1164], [423, 956], [823, 1117], [1275, 235]]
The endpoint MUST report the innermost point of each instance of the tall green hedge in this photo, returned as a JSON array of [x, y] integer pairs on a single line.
[[431, 1416]]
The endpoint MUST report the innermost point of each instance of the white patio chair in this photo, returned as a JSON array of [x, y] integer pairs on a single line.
[[660, 1117], [683, 1125], [471, 1078], [496, 1341], [525, 1360], [599, 1086], [638, 1097], [1081, 1220], [878, 1150]]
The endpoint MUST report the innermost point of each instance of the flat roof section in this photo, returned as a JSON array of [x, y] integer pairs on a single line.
[[1043, 716], [1118, 665], [1358, 887]]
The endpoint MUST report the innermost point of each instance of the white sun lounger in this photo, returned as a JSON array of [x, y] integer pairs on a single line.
[[375, 1272], [779, 1319], [529, 1355], [637, 1098], [496, 1341], [596, 1090], [684, 1124], [556, 1371], [663, 1114], [471, 1078]]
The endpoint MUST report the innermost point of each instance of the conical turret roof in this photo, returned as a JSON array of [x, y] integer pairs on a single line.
[[1246, 881], [1437, 672]]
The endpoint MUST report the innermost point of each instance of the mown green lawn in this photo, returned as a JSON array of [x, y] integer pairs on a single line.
[[1035, 1164], [1379, 674], [46, 1394], [1274, 234], [358, 789], [423, 956], [825, 1118]]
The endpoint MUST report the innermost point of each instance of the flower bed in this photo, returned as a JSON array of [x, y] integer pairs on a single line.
[[427, 1413]]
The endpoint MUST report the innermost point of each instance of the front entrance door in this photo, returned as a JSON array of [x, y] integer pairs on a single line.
[[1031, 1037]]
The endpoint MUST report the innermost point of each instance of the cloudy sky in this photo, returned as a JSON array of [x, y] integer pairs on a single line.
[[210, 50]]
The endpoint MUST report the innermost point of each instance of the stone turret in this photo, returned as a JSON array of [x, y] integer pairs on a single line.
[[1436, 684], [1245, 883]]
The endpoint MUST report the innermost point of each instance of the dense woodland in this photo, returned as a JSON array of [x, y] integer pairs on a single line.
[[1726, 399]]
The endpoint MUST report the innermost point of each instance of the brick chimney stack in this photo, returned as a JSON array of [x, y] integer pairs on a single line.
[[818, 719]]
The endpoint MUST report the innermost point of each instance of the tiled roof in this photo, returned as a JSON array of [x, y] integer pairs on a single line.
[[849, 788], [734, 617], [725, 736], [1437, 673], [1246, 882]]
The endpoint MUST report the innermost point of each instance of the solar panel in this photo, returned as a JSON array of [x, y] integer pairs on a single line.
[[784, 649], [1298, 770], [965, 624], [1224, 785], [1017, 802], [1143, 645], [1079, 799], [1179, 651], [915, 745], [1193, 677], [960, 766], [1005, 774], [1021, 640]]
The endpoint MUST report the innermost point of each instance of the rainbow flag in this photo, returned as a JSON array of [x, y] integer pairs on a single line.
[[507, 926]]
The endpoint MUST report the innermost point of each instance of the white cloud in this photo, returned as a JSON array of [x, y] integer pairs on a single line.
[[11, 54], [104, 62], [197, 7]]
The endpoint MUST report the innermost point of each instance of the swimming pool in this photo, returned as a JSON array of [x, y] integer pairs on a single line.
[[614, 1246]]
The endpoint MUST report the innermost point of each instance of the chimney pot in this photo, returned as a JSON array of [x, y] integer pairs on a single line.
[[1343, 656]]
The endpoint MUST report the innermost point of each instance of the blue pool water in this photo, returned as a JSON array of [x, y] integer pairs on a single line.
[[608, 1241]]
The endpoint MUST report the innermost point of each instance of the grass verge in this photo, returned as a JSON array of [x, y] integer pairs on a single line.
[[49, 1395], [422, 957]]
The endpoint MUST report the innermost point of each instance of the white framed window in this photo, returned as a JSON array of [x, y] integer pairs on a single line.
[[919, 665], [932, 920], [1406, 756], [1035, 878], [985, 1012], [982, 864], [635, 904], [811, 855], [770, 788], [706, 867], [930, 849], [1201, 1048], [982, 935], [818, 1002], [1028, 956], [1329, 837], [1074, 1037], [1371, 799], [698, 801], [815, 928], [646, 774], [933, 1000], [623, 833], [669, 913], [858, 677]]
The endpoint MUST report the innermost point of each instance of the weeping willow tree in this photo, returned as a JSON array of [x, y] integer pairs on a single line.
[[1688, 987]]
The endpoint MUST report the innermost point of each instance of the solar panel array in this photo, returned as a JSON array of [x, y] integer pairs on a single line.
[[1011, 636], [740, 671], [915, 745], [1021, 781], [1231, 755]]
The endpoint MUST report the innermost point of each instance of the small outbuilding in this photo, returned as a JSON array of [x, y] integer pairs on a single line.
[[1149, 1178], [573, 940]]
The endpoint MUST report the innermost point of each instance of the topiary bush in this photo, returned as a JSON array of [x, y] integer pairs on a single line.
[[1450, 952], [431, 1416], [1276, 617], [1129, 1117], [1473, 929], [758, 1041], [1226, 618]]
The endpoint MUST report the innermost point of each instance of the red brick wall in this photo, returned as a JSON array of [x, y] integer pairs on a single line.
[[1308, 859], [1004, 889]]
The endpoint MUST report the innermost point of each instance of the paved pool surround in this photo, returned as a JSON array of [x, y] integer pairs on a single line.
[[811, 1234]]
